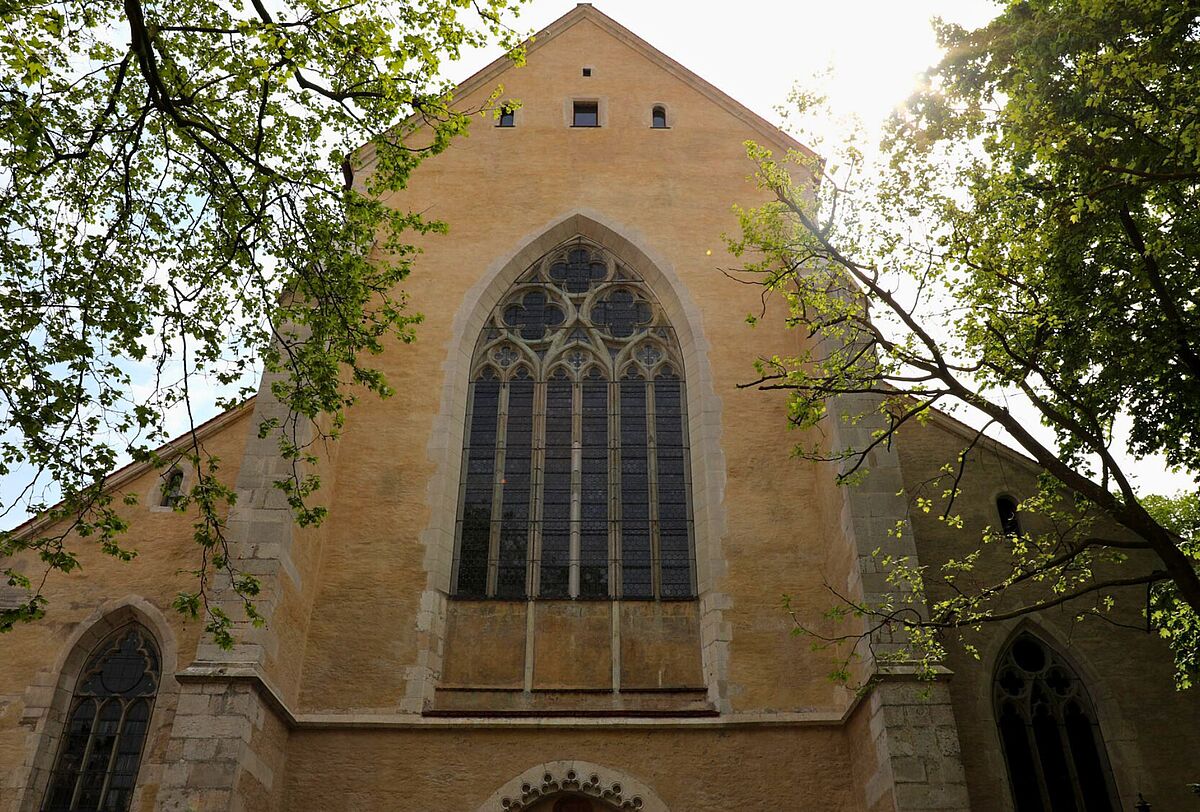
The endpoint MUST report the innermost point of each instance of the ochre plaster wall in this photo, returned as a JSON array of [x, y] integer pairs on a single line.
[[1151, 731], [670, 192], [30, 653], [758, 768]]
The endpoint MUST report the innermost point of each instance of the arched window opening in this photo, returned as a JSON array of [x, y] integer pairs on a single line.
[[172, 488], [106, 727], [576, 481], [1049, 733], [1010, 522], [573, 803], [658, 117]]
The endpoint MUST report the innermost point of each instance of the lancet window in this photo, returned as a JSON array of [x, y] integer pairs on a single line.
[[106, 726], [1049, 733], [575, 467]]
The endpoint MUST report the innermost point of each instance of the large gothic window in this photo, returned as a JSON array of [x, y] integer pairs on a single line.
[[576, 481], [106, 726], [1048, 729]]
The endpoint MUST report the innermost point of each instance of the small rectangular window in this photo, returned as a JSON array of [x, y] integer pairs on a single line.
[[587, 71], [507, 117], [587, 114]]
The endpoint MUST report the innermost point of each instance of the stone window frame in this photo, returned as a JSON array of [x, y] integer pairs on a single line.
[[48, 698], [93, 694], [667, 116], [154, 498], [1079, 694], [444, 449], [578, 350]]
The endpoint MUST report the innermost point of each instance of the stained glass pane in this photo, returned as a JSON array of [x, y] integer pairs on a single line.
[[559, 467], [621, 313], [515, 488], [593, 532], [475, 525], [636, 579], [534, 315], [556, 496], [578, 271]]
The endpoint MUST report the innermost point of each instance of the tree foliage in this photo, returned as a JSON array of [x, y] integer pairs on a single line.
[[1027, 244], [178, 207]]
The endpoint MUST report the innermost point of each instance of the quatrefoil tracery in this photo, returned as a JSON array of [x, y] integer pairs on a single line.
[[577, 309]]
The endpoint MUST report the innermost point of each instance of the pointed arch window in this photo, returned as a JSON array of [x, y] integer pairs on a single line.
[[105, 731], [1049, 733], [576, 481]]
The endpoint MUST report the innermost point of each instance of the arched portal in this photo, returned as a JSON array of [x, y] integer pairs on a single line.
[[545, 787]]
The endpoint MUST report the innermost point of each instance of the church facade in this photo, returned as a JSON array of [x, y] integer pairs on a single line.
[[552, 569]]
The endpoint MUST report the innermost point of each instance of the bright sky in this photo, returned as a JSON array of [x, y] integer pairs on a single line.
[[755, 50]]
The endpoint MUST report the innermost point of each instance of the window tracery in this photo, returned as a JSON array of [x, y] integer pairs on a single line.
[[1049, 733], [576, 481], [105, 732]]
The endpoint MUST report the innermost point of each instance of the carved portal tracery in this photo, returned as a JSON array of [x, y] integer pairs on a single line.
[[576, 481]]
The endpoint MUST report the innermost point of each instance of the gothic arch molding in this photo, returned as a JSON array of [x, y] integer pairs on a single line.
[[704, 428], [47, 700], [1119, 735], [617, 789]]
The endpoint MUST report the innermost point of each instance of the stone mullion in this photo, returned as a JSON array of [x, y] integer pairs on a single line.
[[493, 562], [576, 542], [652, 488], [537, 479]]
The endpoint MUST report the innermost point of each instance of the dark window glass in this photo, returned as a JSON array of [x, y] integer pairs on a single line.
[[507, 117], [587, 71], [1010, 524], [106, 727], [659, 118], [172, 488], [475, 526], [1048, 730], [556, 490], [575, 465], [586, 114]]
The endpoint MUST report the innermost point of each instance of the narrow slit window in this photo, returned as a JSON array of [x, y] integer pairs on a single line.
[[1010, 522], [508, 117], [576, 481], [658, 118], [172, 488], [586, 114]]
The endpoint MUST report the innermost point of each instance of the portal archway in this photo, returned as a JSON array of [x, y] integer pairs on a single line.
[[545, 786]]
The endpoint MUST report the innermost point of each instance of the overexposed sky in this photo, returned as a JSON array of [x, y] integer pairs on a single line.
[[755, 50]]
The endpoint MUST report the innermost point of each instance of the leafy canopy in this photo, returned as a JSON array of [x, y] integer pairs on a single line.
[[1028, 244], [178, 205]]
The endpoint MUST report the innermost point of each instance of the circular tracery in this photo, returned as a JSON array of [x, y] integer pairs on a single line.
[[577, 482]]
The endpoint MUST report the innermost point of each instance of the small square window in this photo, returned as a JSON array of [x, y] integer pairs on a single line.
[[507, 117], [587, 114], [587, 71]]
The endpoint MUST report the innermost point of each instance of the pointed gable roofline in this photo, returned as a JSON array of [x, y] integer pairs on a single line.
[[585, 11]]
